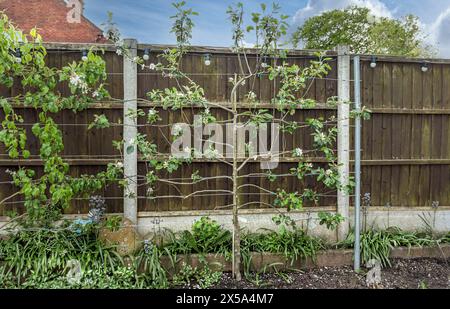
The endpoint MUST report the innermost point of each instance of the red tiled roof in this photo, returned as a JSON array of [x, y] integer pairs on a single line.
[[50, 17]]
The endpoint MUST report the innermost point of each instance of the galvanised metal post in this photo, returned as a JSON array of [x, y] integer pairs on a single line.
[[357, 92]]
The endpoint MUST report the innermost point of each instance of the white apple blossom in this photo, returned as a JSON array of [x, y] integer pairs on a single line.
[[150, 191], [322, 137], [211, 153], [177, 130], [74, 79], [197, 154], [251, 96], [298, 152], [152, 66], [78, 82]]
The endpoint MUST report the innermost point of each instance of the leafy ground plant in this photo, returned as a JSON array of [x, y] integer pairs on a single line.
[[206, 236], [294, 243], [42, 255], [377, 244], [39, 258], [204, 276]]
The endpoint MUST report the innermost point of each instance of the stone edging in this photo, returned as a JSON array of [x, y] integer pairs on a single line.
[[328, 258]]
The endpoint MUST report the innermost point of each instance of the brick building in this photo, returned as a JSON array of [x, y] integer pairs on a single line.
[[56, 20]]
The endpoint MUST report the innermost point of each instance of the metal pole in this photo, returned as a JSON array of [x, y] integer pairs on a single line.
[[130, 131], [357, 83], [343, 140]]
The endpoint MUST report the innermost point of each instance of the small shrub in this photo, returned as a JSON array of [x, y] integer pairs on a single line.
[[206, 236]]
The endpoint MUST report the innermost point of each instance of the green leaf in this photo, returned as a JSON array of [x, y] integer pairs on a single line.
[[13, 153], [26, 154]]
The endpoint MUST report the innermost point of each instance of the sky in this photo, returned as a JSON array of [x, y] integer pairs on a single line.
[[148, 20]]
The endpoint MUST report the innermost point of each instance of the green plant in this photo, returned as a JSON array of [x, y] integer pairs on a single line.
[[113, 223], [23, 64], [148, 260], [204, 276], [422, 285], [288, 200], [206, 236], [378, 244], [42, 255], [330, 220], [292, 244], [207, 277], [284, 222], [185, 275], [446, 238]]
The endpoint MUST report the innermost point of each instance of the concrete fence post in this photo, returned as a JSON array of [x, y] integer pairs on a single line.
[[343, 139], [130, 130]]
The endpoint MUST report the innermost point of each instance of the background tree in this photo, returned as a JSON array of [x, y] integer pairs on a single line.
[[365, 33]]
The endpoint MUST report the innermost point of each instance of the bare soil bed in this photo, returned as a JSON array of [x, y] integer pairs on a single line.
[[404, 274]]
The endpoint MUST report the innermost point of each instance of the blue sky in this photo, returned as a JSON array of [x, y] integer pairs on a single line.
[[148, 20]]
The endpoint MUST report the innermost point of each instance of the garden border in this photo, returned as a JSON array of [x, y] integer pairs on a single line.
[[327, 258]]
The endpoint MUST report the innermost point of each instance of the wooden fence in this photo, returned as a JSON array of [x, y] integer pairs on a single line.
[[406, 144]]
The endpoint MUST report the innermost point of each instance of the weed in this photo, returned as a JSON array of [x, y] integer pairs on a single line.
[[204, 276], [422, 285]]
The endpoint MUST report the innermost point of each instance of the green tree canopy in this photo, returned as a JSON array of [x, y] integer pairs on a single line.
[[363, 32]]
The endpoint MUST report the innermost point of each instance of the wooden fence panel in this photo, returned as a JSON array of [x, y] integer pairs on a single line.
[[406, 146], [406, 140]]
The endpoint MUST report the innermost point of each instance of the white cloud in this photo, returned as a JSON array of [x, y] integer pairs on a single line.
[[316, 7], [248, 44], [439, 33]]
